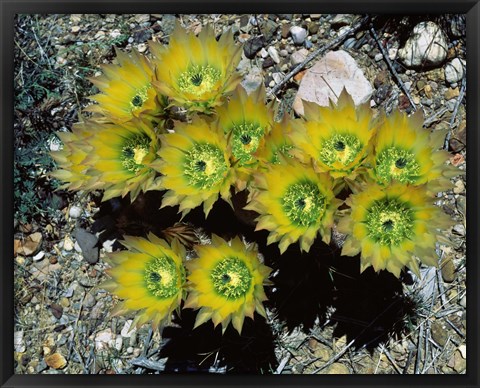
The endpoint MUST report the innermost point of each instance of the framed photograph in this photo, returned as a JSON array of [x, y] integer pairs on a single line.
[[223, 194]]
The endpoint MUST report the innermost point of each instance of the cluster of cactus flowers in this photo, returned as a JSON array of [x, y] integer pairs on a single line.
[[374, 178]]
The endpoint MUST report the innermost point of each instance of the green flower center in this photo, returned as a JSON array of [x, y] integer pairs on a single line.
[[231, 278], [390, 222], [303, 203], [199, 80], [139, 99], [134, 151], [397, 163], [205, 165], [340, 148], [284, 150], [245, 140], [162, 277]]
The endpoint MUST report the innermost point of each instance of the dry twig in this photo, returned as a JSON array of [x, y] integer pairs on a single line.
[[390, 66], [455, 111]]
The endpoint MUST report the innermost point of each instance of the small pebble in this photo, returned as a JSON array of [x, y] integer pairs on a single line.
[[75, 212], [392, 53], [299, 35], [39, 256], [129, 350], [64, 302], [118, 343], [349, 43], [56, 361], [77, 247], [299, 56], [116, 33], [99, 35], [277, 77], [136, 352], [459, 229], [450, 104], [459, 187], [378, 57], [127, 330], [18, 342], [89, 301], [272, 51]]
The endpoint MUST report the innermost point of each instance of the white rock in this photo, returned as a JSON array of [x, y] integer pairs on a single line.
[[459, 229], [55, 144], [299, 34], [18, 342], [115, 33], [328, 76], [378, 57], [39, 256], [454, 70], [68, 243], [75, 212], [427, 46], [263, 53], [108, 245], [104, 339], [118, 343], [392, 53], [127, 330], [277, 77], [77, 247], [142, 47], [272, 51], [299, 56]]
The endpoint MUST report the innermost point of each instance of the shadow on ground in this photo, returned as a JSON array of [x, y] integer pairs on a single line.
[[320, 286]]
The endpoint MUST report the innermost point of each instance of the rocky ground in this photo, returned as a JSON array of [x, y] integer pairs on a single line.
[[368, 324]]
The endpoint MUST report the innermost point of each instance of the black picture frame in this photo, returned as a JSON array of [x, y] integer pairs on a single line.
[[11, 7]]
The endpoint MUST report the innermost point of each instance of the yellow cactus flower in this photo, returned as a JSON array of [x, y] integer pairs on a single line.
[[197, 72], [195, 166], [277, 141], [246, 120], [70, 159], [390, 225], [336, 137], [226, 283], [406, 152], [126, 89], [120, 157], [295, 203], [150, 278]]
